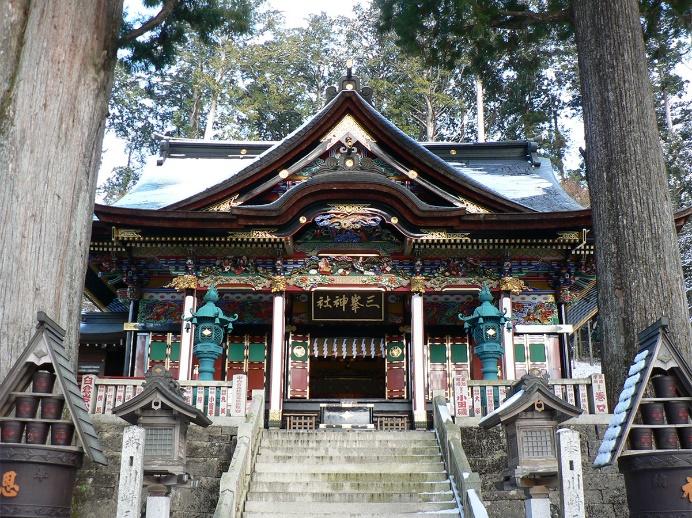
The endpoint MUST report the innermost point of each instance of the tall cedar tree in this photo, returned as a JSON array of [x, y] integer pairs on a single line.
[[56, 70], [639, 270]]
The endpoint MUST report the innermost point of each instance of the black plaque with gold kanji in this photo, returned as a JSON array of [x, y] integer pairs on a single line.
[[337, 305]]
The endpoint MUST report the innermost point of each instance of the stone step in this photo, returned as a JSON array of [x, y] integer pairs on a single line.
[[328, 434], [350, 498], [449, 513], [346, 443], [302, 458], [370, 508], [348, 450], [341, 477], [313, 486], [379, 467]]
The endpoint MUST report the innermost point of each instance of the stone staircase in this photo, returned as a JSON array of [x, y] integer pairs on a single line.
[[349, 473]]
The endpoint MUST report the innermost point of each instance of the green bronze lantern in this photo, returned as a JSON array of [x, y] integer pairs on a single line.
[[486, 325], [210, 326]]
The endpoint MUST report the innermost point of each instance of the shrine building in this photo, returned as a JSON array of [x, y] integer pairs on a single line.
[[348, 252]]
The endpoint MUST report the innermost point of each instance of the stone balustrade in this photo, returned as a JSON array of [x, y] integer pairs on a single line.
[[214, 398], [477, 398]]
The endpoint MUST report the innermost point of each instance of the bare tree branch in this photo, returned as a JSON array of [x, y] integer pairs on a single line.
[[508, 19], [151, 23]]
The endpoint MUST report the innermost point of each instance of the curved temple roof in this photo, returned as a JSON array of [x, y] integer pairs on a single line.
[[503, 176]]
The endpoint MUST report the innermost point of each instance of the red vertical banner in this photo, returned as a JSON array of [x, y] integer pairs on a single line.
[[437, 366], [395, 364], [299, 366]]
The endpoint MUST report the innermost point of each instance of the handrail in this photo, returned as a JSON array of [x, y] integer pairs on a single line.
[[465, 482], [235, 482]]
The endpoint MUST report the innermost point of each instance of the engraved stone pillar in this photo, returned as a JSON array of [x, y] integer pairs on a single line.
[[571, 479], [419, 414], [277, 360], [131, 473], [239, 395]]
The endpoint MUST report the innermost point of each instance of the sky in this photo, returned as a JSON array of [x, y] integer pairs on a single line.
[[295, 13]]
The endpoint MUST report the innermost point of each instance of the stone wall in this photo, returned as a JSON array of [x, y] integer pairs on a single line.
[[209, 452], [604, 489]]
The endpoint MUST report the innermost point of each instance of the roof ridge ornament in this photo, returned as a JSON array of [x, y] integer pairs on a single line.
[[348, 131], [349, 82]]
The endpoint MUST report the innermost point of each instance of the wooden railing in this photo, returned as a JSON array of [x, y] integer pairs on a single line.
[[465, 482], [477, 398], [235, 482], [101, 395]]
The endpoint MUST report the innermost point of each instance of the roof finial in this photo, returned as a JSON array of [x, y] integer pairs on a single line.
[[350, 83]]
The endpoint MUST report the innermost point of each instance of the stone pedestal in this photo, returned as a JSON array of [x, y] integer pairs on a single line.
[[158, 506], [537, 503], [131, 473]]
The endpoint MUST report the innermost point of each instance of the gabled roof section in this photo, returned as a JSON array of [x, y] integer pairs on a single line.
[[46, 347], [162, 390], [312, 139], [656, 351], [524, 394]]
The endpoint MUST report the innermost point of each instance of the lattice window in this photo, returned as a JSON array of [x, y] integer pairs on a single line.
[[158, 442], [301, 422], [392, 423], [537, 443]]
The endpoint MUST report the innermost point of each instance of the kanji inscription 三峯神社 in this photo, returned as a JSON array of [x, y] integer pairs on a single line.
[[347, 305]]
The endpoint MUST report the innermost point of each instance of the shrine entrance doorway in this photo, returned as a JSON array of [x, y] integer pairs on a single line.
[[347, 378]]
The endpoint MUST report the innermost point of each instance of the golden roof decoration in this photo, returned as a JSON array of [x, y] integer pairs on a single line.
[[443, 235], [472, 207], [183, 282], [345, 128], [513, 285], [225, 205], [255, 234]]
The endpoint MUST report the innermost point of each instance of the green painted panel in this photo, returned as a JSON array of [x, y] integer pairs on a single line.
[[396, 352], [175, 351], [519, 353], [299, 352], [460, 353], [438, 353], [236, 352], [256, 353], [537, 352], [157, 351]]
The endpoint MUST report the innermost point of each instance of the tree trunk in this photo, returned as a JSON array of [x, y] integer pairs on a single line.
[[639, 269], [56, 71], [211, 117], [480, 114], [667, 114]]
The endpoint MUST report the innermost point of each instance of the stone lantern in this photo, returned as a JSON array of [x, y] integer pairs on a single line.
[[485, 325], [163, 413], [164, 416], [529, 418], [210, 326]]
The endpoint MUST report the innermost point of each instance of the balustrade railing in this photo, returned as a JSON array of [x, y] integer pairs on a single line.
[[465, 482], [101, 395], [478, 398]]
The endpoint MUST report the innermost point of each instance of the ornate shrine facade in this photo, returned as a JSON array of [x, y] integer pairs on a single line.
[[347, 250]]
